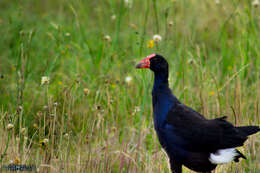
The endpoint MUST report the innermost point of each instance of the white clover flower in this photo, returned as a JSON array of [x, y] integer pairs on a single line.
[[113, 17], [128, 79], [10, 126], [107, 38], [157, 38], [45, 80], [255, 3]]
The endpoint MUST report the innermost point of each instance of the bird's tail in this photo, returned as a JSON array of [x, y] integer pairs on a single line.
[[249, 130], [239, 154]]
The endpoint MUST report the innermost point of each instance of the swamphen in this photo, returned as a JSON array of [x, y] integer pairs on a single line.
[[189, 138]]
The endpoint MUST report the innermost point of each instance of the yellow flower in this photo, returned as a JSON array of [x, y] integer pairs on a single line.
[[44, 142], [113, 85], [211, 93], [59, 82], [150, 44], [13, 68], [229, 67], [17, 160]]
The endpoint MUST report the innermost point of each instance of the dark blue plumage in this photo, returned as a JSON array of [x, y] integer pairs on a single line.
[[188, 138]]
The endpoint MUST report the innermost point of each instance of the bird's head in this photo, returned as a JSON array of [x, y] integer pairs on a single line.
[[155, 62]]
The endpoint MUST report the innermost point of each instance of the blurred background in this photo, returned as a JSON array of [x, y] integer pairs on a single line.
[[71, 99]]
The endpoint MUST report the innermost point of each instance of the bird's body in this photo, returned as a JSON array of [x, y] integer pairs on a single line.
[[189, 138]]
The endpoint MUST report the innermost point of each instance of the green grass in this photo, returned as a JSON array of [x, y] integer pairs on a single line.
[[214, 57]]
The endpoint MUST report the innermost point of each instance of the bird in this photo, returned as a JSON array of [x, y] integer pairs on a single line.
[[190, 139]]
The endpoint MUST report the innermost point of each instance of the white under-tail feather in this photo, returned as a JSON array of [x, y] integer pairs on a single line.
[[223, 156]]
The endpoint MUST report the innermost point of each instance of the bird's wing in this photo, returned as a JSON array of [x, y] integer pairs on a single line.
[[201, 134]]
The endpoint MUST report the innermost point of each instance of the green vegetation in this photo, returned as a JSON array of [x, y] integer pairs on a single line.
[[86, 116]]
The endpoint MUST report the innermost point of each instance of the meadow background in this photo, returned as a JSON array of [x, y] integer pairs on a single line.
[[71, 99]]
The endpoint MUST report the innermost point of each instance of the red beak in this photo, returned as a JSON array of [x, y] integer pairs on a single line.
[[145, 63]]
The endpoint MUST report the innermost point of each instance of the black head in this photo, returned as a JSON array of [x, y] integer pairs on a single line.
[[155, 62]]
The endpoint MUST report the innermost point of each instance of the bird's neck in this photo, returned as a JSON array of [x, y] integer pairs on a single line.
[[160, 81], [163, 99]]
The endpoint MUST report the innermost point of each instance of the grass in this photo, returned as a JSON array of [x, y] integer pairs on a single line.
[[88, 118]]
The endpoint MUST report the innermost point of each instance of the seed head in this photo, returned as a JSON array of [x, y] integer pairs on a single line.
[[157, 38], [217, 2], [45, 80], [113, 128], [86, 91], [255, 3], [66, 135], [128, 79], [113, 17], [10, 126], [35, 126], [190, 61], [170, 23], [23, 130], [107, 38]]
